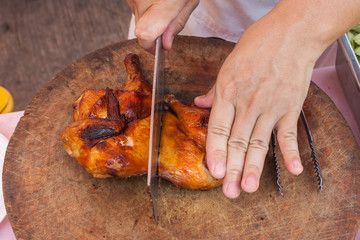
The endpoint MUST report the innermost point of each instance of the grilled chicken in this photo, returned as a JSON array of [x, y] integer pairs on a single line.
[[110, 134], [134, 98], [182, 147]]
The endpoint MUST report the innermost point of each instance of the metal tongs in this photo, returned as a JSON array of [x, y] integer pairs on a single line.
[[313, 156]]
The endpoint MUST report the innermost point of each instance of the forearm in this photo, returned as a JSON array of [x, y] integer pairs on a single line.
[[314, 24]]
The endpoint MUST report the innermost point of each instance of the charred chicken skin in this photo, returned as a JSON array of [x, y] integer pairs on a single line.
[[110, 134]]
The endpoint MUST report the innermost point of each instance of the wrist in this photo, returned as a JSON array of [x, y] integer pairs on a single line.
[[274, 36], [297, 28], [315, 24]]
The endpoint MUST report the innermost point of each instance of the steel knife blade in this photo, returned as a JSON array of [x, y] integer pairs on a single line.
[[155, 125]]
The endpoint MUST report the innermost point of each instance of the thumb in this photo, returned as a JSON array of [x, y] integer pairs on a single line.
[[205, 101]]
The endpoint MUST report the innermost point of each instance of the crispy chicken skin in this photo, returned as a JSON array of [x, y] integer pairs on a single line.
[[110, 134], [195, 120], [121, 155], [182, 161], [134, 98]]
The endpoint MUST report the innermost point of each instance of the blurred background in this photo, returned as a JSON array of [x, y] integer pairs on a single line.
[[38, 38]]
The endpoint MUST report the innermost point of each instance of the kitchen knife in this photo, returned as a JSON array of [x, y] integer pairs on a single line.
[[155, 124]]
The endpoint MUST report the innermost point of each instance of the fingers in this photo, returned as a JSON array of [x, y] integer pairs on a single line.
[[205, 101], [219, 127], [256, 153], [151, 25], [238, 154], [237, 147], [160, 17], [287, 138], [178, 24], [138, 7], [247, 148]]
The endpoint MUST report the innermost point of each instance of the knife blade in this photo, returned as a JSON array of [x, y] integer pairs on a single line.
[[155, 125]]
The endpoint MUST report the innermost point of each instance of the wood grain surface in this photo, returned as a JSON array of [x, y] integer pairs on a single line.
[[48, 195], [38, 38]]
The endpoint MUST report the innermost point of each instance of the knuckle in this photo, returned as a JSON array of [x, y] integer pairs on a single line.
[[290, 152], [251, 167], [181, 23], [181, 20], [288, 136], [288, 142], [219, 131], [141, 34], [239, 143], [259, 144], [228, 89], [219, 154], [234, 172]]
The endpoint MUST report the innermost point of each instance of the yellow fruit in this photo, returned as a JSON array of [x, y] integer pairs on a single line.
[[6, 101]]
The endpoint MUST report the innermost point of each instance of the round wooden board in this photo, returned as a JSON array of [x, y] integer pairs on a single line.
[[48, 195]]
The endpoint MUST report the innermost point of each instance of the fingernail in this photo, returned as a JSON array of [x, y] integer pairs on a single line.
[[232, 190], [297, 166], [252, 182], [296, 163], [167, 42], [219, 170], [199, 97], [171, 41]]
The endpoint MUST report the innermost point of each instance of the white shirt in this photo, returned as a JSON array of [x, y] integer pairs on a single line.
[[228, 19]]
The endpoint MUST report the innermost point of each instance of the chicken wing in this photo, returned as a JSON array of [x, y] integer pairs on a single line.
[[134, 98]]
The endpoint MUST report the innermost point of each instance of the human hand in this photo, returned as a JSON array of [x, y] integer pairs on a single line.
[[262, 85], [156, 17]]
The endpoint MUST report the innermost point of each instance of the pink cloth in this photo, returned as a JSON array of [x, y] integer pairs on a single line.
[[6, 232], [325, 77], [8, 123]]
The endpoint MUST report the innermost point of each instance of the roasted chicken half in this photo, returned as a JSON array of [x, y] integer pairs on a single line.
[[110, 134]]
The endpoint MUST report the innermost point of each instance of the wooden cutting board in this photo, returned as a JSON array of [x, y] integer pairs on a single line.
[[48, 195]]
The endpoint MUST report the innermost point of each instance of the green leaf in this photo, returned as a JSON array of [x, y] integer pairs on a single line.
[[357, 51], [357, 39], [351, 39], [356, 28]]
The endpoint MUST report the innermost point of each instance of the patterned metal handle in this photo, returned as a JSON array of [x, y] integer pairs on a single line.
[[277, 168], [314, 156]]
